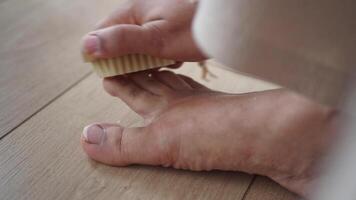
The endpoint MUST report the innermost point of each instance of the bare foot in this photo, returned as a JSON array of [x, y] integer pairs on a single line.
[[273, 133]]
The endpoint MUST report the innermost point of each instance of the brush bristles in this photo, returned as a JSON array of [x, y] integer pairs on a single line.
[[127, 64]]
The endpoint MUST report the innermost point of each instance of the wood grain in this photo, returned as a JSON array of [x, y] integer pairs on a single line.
[[264, 188], [309, 56], [39, 52], [42, 159], [47, 96]]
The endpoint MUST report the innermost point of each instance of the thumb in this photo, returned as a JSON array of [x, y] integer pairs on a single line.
[[114, 145], [122, 39]]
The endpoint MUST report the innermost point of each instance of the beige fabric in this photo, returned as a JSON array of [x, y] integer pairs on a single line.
[[305, 45]]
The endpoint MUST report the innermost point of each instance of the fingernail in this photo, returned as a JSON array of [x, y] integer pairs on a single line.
[[92, 45], [93, 134]]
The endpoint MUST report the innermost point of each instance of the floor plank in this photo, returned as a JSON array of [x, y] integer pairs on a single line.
[[42, 159], [264, 188], [39, 52]]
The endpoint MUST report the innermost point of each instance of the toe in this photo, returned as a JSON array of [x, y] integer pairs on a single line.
[[137, 98], [114, 145], [195, 85], [175, 65], [172, 80], [147, 81]]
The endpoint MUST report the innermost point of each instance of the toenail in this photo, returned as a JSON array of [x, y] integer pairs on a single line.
[[92, 45], [93, 134]]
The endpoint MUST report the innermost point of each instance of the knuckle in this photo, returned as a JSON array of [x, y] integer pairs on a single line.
[[120, 155], [169, 145], [156, 38]]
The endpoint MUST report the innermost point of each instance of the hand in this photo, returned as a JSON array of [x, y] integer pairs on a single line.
[[159, 28]]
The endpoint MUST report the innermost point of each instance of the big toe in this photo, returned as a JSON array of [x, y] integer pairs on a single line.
[[114, 145]]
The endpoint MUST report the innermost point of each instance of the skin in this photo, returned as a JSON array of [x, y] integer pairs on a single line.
[[160, 28], [273, 133]]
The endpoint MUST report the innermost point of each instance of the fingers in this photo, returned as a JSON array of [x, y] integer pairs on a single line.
[[122, 39], [114, 145]]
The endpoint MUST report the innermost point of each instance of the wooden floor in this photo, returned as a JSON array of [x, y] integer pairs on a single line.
[[47, 95]]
